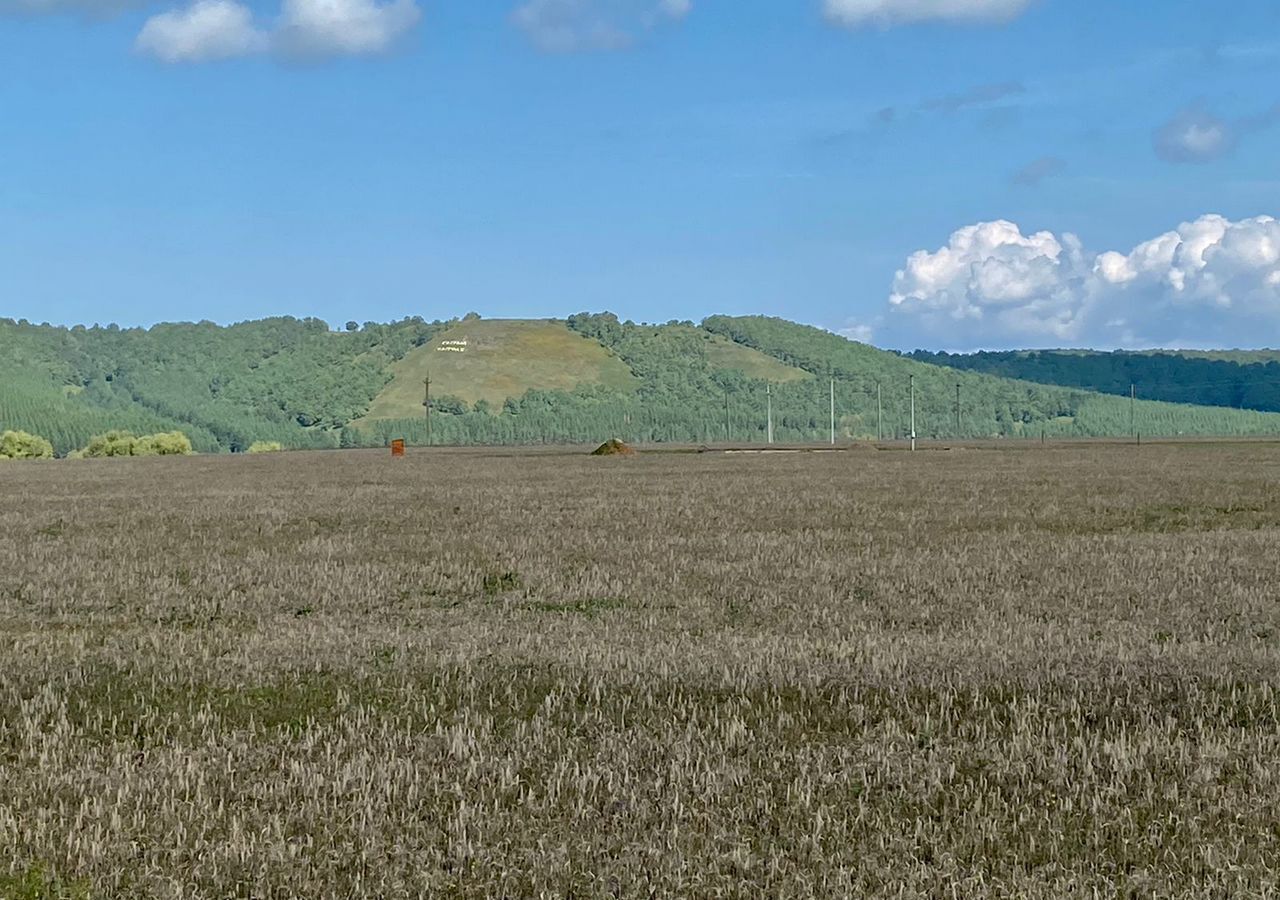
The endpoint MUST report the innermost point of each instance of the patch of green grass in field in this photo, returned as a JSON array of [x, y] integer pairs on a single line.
[[37, 883], [1172, 519], [590, 607], [502, 358]]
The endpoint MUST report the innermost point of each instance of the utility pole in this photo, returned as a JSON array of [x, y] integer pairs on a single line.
[[879, 415], [833, 411], [1133, 402], [768, 393], [426, 404], [957, 410], [913, 414], [728, 429]]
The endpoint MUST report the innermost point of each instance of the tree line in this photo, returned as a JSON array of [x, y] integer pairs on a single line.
[[296, 384]]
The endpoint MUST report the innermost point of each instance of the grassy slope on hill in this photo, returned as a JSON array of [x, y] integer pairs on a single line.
[[725, 355], [502, 359]]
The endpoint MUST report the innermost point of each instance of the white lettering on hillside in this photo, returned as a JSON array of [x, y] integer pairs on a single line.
[[452, 346]]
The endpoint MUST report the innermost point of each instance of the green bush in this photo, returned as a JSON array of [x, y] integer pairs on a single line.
[[113, 443], [265, 447], [20, 445], [124, 443], [172, 443]]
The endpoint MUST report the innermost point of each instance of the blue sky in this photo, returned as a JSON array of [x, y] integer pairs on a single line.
[[351, 159]]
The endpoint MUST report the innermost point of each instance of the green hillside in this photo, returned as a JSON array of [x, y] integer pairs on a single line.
[[493, 360], [1240, 379], [590, 377], [284, 379], [988, 405]]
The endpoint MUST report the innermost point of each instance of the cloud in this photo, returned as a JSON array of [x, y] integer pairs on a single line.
[[89, 10], [205, 31], [221, 29], [1210, 282], [888, 13], [1197, 135], [567, 26], [320, 28], [855, 332], [1038, 170], [1194, 135], [54, 7], [975, 96]]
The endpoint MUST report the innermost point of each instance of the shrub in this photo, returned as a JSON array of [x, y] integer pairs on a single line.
[[21, 445], [124, 443], [265, 447], [113, 443], [171, 443], [450, 405]]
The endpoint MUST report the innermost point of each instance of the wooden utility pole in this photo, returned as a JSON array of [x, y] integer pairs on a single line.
[[879, 415], [768, 393], [426, 404], [913, 414], [1133, 402], [833, 411], [957, 410]]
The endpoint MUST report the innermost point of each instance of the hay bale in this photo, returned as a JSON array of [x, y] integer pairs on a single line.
[[613, 447]]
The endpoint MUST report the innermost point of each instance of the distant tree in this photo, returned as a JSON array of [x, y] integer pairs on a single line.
[[21, 445], [172, 443], [112, 443], [471, 317], [265, 447], [353, 326], [123, 443], [450, 405]]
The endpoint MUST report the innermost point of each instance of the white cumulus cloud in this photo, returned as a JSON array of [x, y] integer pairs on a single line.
[[887, 13], [221, 29], [1210, 282], [343, 27], [567, 26], [205, 31]]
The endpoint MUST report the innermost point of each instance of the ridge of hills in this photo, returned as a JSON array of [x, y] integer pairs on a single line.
[[584, 379], [1241, 379]]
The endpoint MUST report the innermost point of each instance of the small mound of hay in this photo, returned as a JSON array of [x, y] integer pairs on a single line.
[[613, 447]]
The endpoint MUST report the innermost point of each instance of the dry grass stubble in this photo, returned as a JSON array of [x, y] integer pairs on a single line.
[[976, 673]]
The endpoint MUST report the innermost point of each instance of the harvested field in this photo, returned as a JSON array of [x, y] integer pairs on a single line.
[[1033, 673]]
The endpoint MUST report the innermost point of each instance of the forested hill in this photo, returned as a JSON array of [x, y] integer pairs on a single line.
[[1237, 379], [303, 384]]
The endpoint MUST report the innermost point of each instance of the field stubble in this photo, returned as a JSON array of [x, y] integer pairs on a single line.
[[979, 673]]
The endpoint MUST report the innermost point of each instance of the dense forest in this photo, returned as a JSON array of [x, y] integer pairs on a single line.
[[301, 384], [283, 379], [1239, 380]]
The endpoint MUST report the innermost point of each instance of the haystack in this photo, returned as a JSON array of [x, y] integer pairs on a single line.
[[613, 447]]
